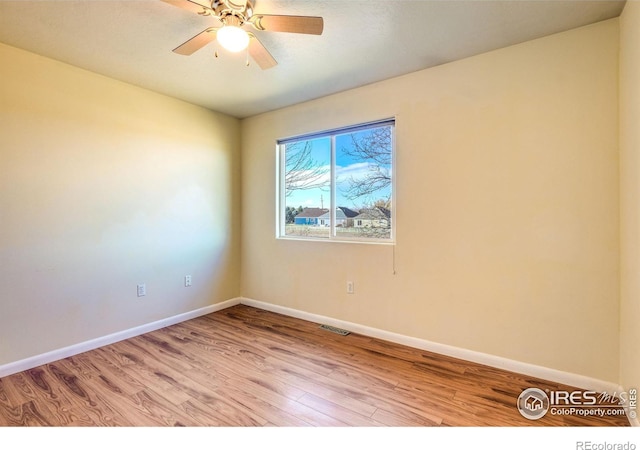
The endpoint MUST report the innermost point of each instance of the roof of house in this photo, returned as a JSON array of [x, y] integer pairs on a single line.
[[349, 213], [312, 212], [342, 212], [376, 213]]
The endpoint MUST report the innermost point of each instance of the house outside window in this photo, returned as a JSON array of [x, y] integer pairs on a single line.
[[338, 184]]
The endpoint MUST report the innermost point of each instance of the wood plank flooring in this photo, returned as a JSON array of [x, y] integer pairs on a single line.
[[248, 367]]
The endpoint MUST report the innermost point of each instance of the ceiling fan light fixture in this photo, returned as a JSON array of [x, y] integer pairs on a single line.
[[232, 18], [233, 38]]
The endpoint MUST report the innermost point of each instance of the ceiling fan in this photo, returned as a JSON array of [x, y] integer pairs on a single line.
[[233, 18]]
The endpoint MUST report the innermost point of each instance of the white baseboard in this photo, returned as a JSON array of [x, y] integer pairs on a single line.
[[55, 355], [545, 373]]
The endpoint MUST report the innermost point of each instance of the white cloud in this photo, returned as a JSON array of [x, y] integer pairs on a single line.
[[357, 171]]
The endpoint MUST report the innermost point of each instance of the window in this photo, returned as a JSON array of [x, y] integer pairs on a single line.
[[338, 185]]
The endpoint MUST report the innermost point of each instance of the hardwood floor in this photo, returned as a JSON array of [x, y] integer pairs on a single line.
[[248, 367]]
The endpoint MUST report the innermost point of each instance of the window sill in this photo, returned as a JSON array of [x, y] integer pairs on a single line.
[[389, 242]]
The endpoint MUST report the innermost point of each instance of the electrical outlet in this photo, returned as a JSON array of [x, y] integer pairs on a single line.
[[142, 290], [350, 288], [187, 280]]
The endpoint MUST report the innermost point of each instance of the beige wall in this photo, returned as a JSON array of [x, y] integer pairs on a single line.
[[507, 207], [630, 196], [508, 210], [103, 186]]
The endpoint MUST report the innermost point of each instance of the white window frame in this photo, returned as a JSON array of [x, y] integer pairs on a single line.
[[281, 194]]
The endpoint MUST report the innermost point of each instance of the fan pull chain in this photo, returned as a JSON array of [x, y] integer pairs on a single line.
[[247, 61]]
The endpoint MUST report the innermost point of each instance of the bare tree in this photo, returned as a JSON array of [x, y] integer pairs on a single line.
[[383, 203], [302, 172], [374, 148]]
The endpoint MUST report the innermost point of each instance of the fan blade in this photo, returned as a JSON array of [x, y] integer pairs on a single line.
[[201, 7], [288, 24], [196, 42], [260, 54]]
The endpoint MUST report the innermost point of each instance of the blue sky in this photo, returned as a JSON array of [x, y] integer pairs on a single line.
[[346, 167]]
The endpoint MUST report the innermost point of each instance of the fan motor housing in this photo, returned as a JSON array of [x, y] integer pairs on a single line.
[[240, 9]]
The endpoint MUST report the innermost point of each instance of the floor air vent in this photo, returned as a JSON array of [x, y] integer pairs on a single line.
[[339, 331]]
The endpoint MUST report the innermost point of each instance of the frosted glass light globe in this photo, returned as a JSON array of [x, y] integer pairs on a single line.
[[233, 38]]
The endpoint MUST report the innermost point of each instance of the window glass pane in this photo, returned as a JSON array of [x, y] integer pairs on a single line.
[[307, 188], [363, 183]]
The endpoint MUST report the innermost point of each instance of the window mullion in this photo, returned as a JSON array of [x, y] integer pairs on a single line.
[[332, 202], [280, 174]]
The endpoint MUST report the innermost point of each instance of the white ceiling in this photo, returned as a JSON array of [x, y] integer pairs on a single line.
[[364, 41]]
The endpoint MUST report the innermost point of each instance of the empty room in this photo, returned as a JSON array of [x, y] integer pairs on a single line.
[[349, 214]]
